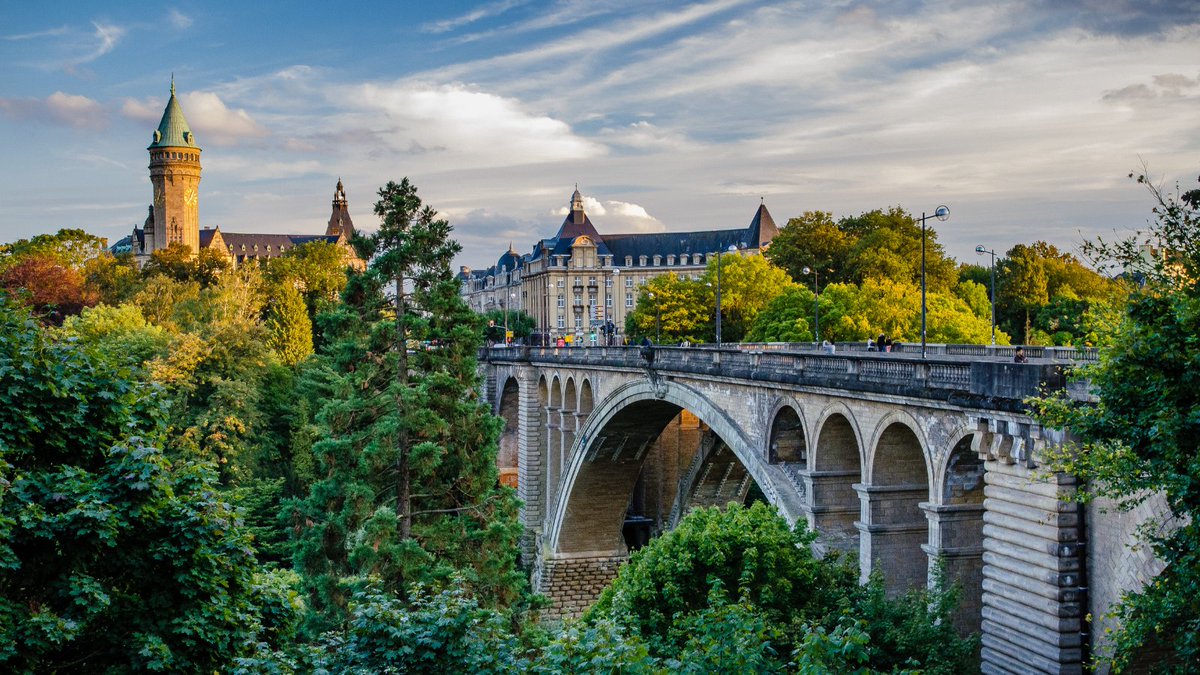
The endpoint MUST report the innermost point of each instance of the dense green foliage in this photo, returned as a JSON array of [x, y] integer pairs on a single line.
[[739, 584], [112, 556], [673, 309], [1139, 440], [407, 481], [872, 264]]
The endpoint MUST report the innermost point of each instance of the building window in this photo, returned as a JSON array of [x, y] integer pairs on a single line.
[[561, 322], [562, 301], [642, 260], [578, 301], [268, 247], [578, 323], [629, 261], [608, 283], [608, 301], [628, 282], [657, 260], [629, 300], [591, 281], [560, 283], [671, 260]]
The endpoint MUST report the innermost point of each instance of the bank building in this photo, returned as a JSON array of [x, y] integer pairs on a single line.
[[576, 282]]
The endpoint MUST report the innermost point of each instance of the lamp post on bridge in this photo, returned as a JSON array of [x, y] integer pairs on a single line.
[[816, 305], [981, 249], [941, 213], [731, 249], [657, 320], [608, 300]]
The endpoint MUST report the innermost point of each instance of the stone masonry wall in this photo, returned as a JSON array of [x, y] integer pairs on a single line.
[[573, 584], [1119, 560], [1033, 605]]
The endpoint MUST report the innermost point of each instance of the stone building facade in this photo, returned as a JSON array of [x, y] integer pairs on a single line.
[[578, 280]]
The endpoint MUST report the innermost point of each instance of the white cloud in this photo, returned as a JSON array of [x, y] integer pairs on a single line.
[[210, 118], [466, 127], [70, 110], [179, 19], [107, 36], [207, 115], [484, 12], [616, 216], [643, 135]]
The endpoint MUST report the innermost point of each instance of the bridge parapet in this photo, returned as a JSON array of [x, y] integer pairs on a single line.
[[1001, 382]]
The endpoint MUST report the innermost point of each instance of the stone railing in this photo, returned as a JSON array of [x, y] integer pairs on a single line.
[[997, 378]]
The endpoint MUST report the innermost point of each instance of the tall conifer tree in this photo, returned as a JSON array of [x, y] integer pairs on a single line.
[[408, 482]]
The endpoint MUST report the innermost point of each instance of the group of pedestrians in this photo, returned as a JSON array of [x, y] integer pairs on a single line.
[[883, 343]]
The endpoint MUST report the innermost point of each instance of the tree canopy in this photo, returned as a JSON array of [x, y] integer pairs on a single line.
[[1138, 440]]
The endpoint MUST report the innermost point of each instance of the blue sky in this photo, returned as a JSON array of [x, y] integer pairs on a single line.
[[1024, 117]]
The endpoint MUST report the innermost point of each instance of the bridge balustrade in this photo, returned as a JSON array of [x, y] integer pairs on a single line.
[[936, 377]]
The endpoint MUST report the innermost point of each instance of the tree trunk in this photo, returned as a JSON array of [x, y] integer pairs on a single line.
[[403, 479]]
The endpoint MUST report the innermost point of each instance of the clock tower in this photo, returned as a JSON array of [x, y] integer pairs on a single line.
[[175, 175]]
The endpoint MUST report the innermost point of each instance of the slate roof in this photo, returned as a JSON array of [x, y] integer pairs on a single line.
[[757, 234]]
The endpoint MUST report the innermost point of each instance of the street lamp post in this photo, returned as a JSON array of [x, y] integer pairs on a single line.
[[981, 249], [731, 249], [657, 320], [816, 305], [941, 213], [609, 299]]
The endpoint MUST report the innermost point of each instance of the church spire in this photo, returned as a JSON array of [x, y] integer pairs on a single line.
[[340, 224]]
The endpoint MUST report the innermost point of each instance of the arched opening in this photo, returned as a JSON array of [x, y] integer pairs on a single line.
[[570, 419], [787, 444], [639, 455], [509, 441], [956, 530], [832, 505], [893, 526], [554, 442]]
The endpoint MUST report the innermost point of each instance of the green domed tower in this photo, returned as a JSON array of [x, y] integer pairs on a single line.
[[175, 174]]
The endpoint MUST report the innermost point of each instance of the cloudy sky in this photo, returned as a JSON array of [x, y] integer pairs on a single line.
[[1024, 117]]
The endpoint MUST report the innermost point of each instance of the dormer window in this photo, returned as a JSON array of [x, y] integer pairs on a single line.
[[642, 260], [657, 260], [629, 261], [671, 260]]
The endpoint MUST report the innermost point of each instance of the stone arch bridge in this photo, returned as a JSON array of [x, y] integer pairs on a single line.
[[900, 462]]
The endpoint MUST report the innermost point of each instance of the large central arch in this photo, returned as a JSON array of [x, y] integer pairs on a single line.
[[587, 516]]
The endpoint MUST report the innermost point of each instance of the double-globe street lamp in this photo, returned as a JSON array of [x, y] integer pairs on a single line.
[[941, 213], [981, 249], [731, 249]]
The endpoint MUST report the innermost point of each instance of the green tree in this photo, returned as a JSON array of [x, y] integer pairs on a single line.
[[119, 332], [317, 269], [812, 240], [407, 489], [112, 558], [736, 590], [70, 248], [888, 246], [748, 284], [180, 263], [671, 309], [785, 318], [289, 328], [1138, 441], [736, 554]]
